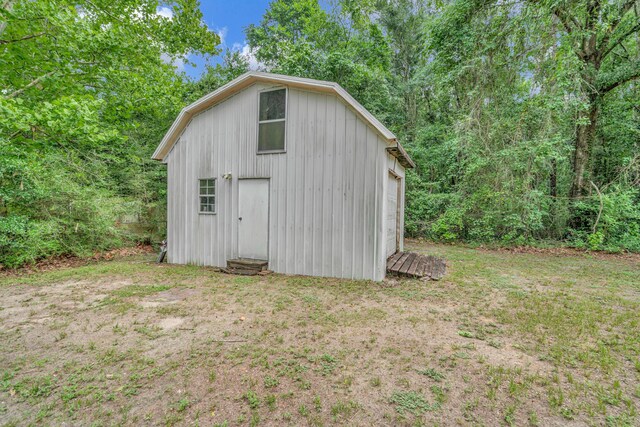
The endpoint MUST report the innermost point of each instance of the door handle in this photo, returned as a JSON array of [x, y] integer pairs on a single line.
[[240, 218]]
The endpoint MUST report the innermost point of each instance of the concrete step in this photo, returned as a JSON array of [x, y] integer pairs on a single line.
[[241, 271], [247, 264]]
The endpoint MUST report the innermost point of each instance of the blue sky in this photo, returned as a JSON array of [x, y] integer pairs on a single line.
[[228, 19]]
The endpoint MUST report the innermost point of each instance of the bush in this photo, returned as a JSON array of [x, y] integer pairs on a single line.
[[613, 226], [22, 241], [47, 210]]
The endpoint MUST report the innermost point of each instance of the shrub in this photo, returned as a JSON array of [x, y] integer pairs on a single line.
[[613, 225], [47, 210]]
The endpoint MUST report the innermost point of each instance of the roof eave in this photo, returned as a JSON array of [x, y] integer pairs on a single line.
[[403, 158]]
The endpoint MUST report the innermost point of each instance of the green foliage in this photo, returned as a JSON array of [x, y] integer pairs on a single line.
[[301, 38], [491, 101], [233, 65], [50, 212], [88, 90], [495, 132], [612, 225], [490, 128]]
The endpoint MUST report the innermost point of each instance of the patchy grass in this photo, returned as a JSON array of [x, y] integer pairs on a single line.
[[411, 402], [504, 339], [432, 373]]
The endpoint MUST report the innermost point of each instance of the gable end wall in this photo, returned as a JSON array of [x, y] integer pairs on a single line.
[[326, 192]]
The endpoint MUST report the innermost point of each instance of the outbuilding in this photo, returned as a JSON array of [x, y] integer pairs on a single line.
[[288, 170]]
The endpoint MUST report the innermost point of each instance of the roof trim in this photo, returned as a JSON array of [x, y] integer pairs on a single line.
[[252, 77], [402, 156]]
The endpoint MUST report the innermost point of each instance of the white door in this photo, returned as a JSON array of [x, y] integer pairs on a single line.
[[253, 218], [392, 214]]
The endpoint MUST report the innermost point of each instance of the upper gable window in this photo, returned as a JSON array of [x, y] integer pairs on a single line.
[[271, 121]]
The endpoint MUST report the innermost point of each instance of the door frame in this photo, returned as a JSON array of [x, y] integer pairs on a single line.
[[268, 179], [398, 206]]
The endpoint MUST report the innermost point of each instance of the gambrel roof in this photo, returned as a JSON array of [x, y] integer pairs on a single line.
[[252, 77]]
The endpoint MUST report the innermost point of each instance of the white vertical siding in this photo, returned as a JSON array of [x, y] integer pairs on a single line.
[[327, 192], [391, 163]]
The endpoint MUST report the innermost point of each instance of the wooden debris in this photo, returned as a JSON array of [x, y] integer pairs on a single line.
[[393, 258], [398, 264], [407, 263], [410, 264]]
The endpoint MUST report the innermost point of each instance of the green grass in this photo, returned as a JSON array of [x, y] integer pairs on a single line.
[[252, 399], [344, 409], [270, 382], [504, 338], [432, 373], [28, 388], [139, 290], [412, 402]]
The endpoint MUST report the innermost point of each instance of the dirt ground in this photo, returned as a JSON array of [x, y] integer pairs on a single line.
[[506, 338]]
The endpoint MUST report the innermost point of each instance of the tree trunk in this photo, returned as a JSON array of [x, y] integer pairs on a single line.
[[585, 136], [553, 179]]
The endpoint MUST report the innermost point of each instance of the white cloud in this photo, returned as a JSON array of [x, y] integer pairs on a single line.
[[162, 12], [246, 51], [222, 33], [176, 62], [165, 12]]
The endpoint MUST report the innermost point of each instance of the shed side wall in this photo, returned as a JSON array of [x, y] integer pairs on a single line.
[[392, 164]]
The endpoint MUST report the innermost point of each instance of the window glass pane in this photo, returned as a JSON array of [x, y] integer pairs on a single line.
[[207, 195], [272, 104], [271, 136]]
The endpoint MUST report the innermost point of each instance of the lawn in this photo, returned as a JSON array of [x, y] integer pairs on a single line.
[[506, 338]]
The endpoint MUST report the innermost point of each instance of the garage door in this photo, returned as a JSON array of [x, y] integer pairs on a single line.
[[392, 214]]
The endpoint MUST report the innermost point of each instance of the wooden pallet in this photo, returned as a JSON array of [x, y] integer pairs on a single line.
[[411, 264]]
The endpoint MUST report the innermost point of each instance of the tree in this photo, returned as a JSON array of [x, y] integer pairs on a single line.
[[343, 45], [233, 65], [507, 77], [514, 111], [404, 22], [88, 88], [599, 34]]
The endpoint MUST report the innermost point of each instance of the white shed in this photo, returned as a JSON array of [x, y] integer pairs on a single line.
[[284, 169]]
